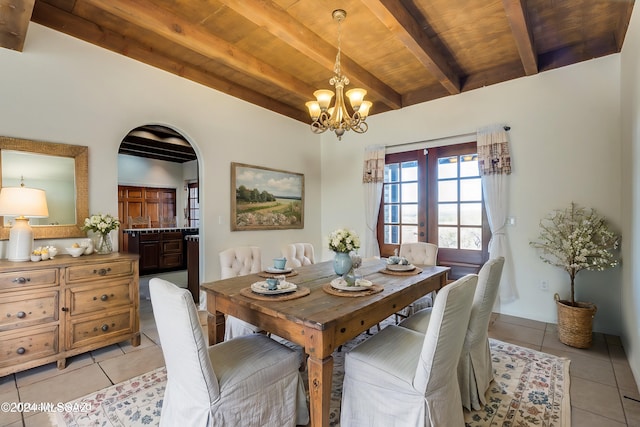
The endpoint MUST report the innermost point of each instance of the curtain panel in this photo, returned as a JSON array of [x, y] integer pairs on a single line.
[[372, 179], [494, 162]]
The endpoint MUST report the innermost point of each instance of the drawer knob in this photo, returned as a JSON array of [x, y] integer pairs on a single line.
[[21, 315], [104, 297], [102, 271], [21, 350], [65, 309], [105, 328], [21, 280]]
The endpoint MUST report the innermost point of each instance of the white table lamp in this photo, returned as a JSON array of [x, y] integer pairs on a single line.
[[23, 203]]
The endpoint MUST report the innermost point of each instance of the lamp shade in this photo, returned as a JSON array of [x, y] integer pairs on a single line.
[[23, 201]]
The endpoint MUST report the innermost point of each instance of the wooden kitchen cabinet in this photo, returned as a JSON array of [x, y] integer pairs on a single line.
[[172, 250], [51, 310], [160, 250]]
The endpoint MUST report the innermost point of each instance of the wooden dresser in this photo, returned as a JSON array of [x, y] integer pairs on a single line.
[[54, 309]]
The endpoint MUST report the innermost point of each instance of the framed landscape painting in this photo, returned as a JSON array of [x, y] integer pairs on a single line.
[[266, 199]]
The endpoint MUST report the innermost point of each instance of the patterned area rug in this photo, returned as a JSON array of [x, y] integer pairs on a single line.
[[530, 389]]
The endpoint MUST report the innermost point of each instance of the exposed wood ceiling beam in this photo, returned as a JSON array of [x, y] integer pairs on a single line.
[[67, 23], [396, 18], [278, 22], [14, 21], [578, 52], [521, 30], [137, 146], [153, 18]]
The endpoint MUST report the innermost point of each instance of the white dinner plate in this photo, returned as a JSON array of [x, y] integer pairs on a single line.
[[283, 288], [274, 270], [360, 285], [400, 267]]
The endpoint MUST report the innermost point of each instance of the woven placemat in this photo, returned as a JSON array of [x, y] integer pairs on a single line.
[[413, 272], [298, 293], [374, 289], [268, 275]]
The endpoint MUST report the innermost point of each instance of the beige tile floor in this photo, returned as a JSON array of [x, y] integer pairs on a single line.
[[601, 379]]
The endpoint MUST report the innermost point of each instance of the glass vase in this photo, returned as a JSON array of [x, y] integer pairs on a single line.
[[342, 263], [104, 244]]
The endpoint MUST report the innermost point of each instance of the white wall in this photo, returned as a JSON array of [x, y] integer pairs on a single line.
[[566, 146], [61, 89], [630, 93]]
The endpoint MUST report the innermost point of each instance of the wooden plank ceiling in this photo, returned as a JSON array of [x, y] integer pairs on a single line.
[[276, 53]]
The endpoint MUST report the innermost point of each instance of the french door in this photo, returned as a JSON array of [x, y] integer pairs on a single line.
[[435, 196]]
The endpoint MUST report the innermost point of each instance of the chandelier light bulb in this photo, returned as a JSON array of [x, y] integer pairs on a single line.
[[324, 98], [314, 109], [364, 109], [356, 96]]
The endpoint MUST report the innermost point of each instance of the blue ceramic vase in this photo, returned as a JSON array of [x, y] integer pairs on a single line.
[[342, 263]]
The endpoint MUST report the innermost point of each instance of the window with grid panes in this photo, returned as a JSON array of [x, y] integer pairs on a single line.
[[193, 212], [459, 202], [435, 196]]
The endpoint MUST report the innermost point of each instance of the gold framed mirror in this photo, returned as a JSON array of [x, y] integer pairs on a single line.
[[22, 156]]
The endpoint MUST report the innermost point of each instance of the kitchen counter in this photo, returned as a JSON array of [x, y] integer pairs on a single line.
[[190, 230]]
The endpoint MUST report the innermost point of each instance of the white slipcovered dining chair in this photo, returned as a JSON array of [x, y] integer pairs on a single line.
[[400, 377], [475, 371], [248, 381], [298, 254], [418, 253], [236, 262]]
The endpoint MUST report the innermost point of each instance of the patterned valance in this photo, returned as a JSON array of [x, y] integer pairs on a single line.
[[373, 169], [493, 151]]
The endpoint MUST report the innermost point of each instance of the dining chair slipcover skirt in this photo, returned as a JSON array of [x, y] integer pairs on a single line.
[[475, 371], [400, 377], [248, 381], [239, 262], [298, 254]]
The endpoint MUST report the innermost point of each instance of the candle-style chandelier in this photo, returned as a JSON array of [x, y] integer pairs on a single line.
[[337, 118]]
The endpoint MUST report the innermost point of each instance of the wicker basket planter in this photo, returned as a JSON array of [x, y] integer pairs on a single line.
[[575, 323]]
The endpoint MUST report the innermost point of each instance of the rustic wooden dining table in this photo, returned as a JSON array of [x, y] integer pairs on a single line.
[[317, 317]]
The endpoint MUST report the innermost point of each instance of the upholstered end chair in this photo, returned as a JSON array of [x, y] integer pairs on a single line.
[[236, 262], [419, 253], [400, 377], [475, 371], [298, 254], [248, 381]]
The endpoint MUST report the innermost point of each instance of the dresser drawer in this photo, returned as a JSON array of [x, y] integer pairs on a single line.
[[99, 296], [98, 270], [22, 346], [21, 309], [24, 278], [91, 329]]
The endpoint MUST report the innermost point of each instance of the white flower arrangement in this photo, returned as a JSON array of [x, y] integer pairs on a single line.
[[343, 240], [101, 223], [576, 239]]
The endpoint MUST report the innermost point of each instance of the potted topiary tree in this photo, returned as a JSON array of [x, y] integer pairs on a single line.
[[576, 239]]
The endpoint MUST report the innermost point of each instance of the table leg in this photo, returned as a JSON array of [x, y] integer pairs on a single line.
[[215, 321], [320, 378]]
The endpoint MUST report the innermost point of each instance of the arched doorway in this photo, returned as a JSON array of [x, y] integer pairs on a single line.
[[158, 204]]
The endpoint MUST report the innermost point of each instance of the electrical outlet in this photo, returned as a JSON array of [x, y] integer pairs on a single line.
[[544, 285]]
